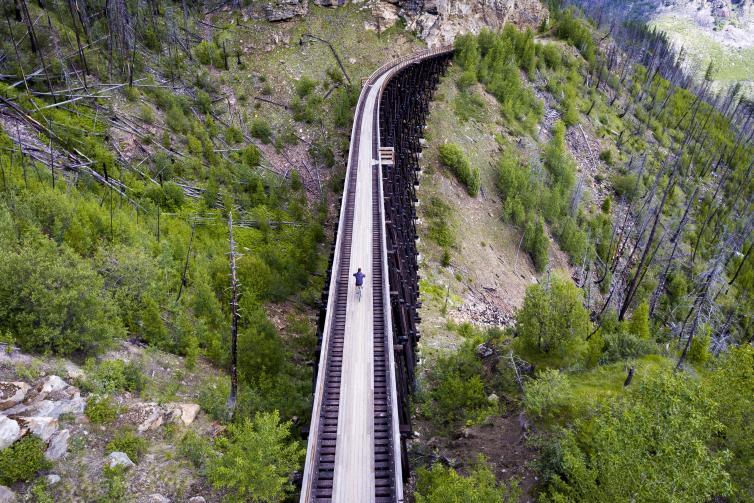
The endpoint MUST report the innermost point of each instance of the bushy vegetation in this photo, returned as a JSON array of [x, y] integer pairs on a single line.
[[552, 325], [441, 484], [129, 442], [22, 460], [256, 460], [452, 156]]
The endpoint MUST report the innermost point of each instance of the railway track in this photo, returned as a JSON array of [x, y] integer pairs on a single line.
[[354, 446]]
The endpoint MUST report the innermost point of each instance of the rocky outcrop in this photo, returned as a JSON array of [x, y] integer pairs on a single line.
[[439, 22], [12, 393], [10, 431]]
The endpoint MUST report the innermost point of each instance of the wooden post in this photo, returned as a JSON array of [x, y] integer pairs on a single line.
[[233, 322]]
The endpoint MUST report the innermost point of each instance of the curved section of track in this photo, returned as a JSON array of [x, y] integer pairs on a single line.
[[354, 446]]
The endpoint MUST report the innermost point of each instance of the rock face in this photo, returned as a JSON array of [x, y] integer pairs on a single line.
[[10, 431], [43, 427], [439, 22], [119, 459], [12, 393], [6, 495]]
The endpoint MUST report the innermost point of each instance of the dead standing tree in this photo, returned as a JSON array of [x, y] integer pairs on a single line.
[[233, 322]]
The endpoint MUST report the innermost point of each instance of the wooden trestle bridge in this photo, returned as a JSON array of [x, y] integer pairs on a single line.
[[364, 371]]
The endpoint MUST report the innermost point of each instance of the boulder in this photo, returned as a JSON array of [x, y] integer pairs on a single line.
[[10, 431], [43, 427], [6, 495], [149, 417], [183, 412], [52, 479], [12, 393], [119, 459], [58, 445], [157, 498]]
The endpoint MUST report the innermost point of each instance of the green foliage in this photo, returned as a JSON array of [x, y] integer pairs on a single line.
[[260, 129], [344, 100], [606, 156], [439, 215], [598, 460], [111, 376], [626, 186], [442, 484], [699, 351], [129, 442], [100, 409], [576, 32], [455, 393], [208, 53], [452, 156], [213, 398], [56, 302], [547, 394], [305, 86], [233, 135], [639, 324], [536, 243], [553, 324], [469, 105], [195, 447], [732, 386], [256, 460], [22, 460], [176, 119]]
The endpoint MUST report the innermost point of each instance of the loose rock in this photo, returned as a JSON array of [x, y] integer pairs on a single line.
[[52, 479], [158, 498], [58, 445], [118, 458], [197, 499]]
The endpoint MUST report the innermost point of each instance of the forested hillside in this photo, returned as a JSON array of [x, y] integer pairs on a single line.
[[169, 178], [626, 373]]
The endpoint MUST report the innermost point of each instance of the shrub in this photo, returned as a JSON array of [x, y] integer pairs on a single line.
[[639, 324], [606, 156], [469, 106], [699, 351], [22, 460], [456, 393], [439, 217], [261, 130], [305, 86], [626, 186], [256, 460], [251, 156], [129, 442], [453, 157], [536, 243], [194, 447], [56, 302], [176, 119], [233, 135], [622, 345], [546, 394], [146, 113], [100, 409], [112, 376], [443, 484], [553, 323], [213, 398]]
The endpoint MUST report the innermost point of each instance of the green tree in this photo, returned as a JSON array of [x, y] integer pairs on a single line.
[[649, 445], [553, 324], [536, 243], [256, 460], [55, 302], [639, 324], [442, 484], [452, 156]]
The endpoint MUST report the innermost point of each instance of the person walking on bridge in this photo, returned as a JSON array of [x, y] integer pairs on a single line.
[[359, 282]]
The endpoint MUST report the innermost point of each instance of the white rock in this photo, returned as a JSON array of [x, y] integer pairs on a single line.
[[152, 414], [158, 498], [184, 412], [12, 393], [53, 383], [58, 445], [52, 479], [119, 459], [51, 408], [43, 427], [6, 495], [10, 431], [197, 499]]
